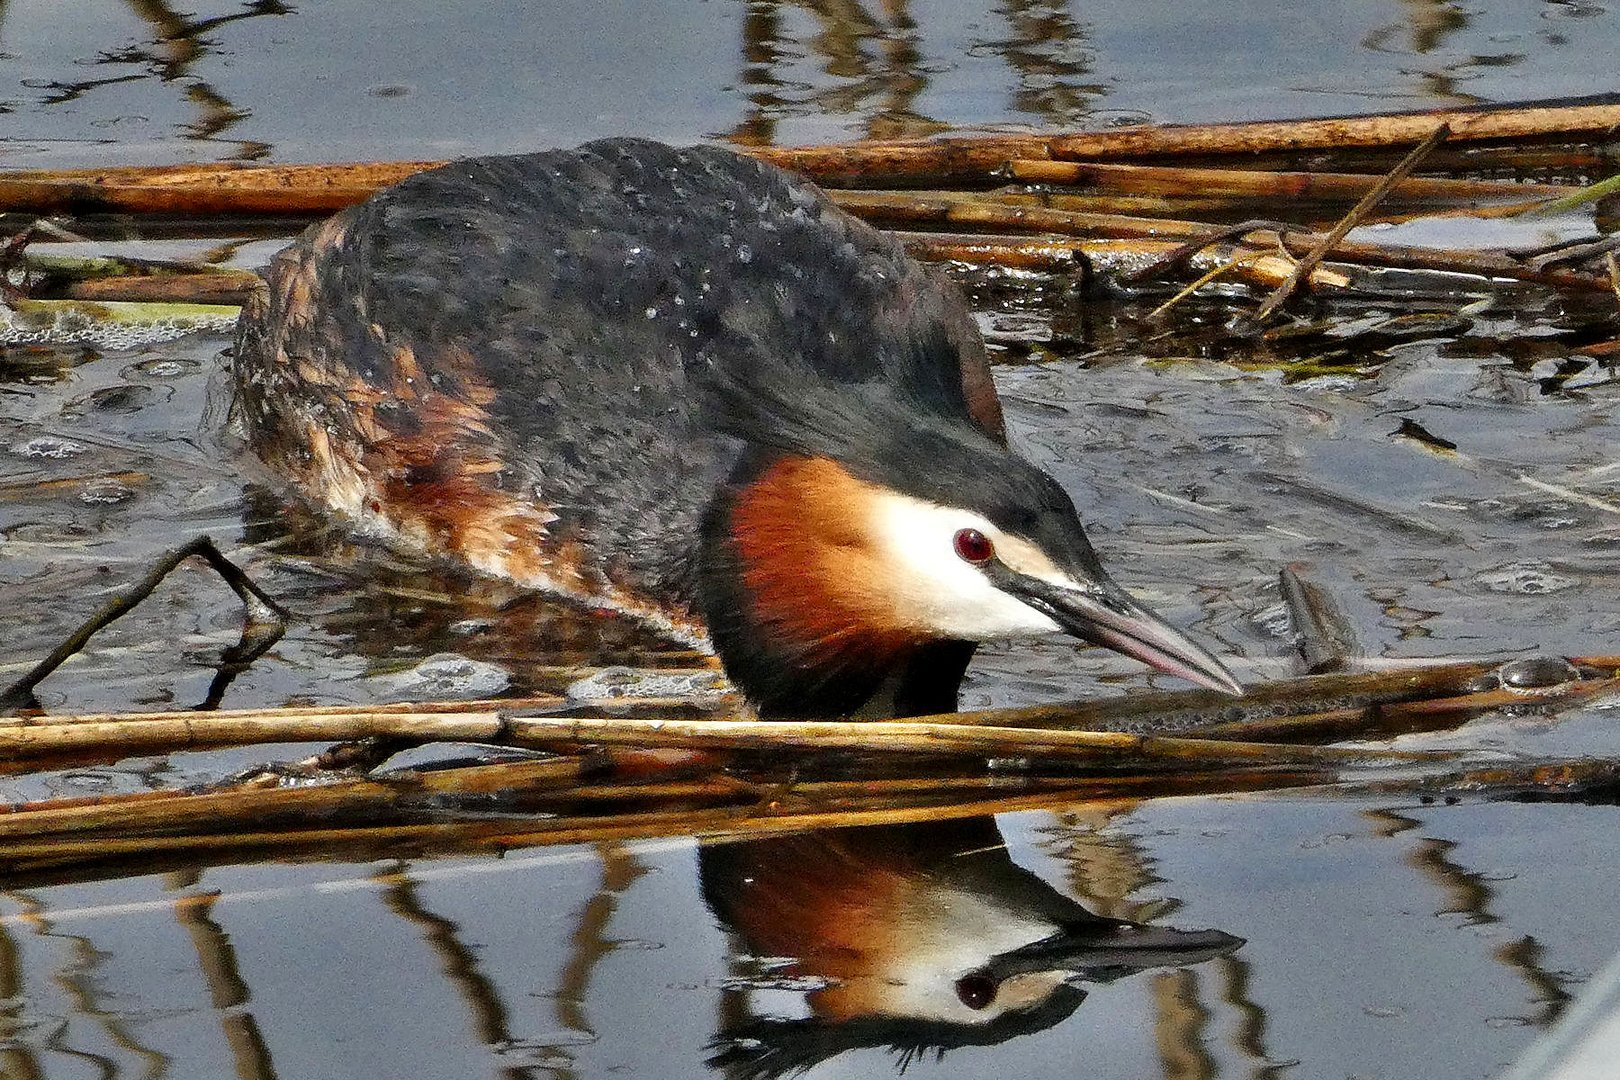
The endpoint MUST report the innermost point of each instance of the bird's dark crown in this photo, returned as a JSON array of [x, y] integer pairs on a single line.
[[886, 440]]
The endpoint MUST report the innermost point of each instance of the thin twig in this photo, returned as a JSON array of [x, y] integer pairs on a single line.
[[1219, 270], [1180, 254], [1356, 215], [1574, 252]]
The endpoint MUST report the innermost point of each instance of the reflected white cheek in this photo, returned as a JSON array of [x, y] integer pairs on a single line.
[[937, 591]]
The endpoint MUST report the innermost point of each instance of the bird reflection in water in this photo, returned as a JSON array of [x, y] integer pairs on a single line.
[[921, 938]]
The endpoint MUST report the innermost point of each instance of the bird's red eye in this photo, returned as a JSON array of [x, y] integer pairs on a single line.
[[974, 547], [976, 991]]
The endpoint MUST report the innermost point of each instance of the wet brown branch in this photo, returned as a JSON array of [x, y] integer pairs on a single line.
[[949, 735], [125, 846], [213, 287], [962, 209], [263, 624]]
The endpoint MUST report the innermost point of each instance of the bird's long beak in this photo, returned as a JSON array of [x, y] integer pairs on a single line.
[[1105, 614], [1110, 949]]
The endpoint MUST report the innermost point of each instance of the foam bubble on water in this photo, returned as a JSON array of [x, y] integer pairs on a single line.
[[104, 493], [162, 367], [447, 676], [1528, 577], [620, 682], [47, 446], [75, 326]]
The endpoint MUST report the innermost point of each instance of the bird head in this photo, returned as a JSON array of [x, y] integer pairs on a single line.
[[858, 529]]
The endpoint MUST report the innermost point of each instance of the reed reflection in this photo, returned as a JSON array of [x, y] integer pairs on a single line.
[[1047, 50], [921, 938], [217, 961], [1427, 29], [179, 41], [85, 1024], [871, 62], [1470, 894]]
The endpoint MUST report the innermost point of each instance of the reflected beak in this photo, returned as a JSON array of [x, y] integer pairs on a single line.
[[1105, 614], [1109, 950]]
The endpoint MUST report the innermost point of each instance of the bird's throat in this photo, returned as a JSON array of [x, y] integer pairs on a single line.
[[796, 605]]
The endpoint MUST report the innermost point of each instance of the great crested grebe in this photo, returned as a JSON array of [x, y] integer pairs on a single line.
[[682, 384]]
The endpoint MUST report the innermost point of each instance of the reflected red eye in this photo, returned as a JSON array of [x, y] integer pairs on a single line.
[[974, 547]]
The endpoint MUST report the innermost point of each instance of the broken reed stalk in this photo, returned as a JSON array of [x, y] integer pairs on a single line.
[[234, 188], [1104, 749], [1201, 182], [213, 287], [965, 157], [490, 705], [240, 805], [1309, 618], [214, 729], [1102, 257], [529, 787], [843, 807], [946, 209], [1405, 717], [997, 731], [1046, 255], [216, 188], [60, 854], [1358, 213]]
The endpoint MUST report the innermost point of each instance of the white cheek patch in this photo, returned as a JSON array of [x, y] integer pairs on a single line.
[[935, 589], [955, 934]]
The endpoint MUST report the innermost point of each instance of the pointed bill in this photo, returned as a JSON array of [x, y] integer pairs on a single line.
[[1106, 615]]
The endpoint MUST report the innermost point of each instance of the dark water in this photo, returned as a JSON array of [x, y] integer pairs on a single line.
[[1383, 938]]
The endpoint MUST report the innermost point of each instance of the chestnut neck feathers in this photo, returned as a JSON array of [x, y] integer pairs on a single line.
[[795, 599]]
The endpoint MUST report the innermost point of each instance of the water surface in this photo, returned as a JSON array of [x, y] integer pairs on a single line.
[[1383, 937]]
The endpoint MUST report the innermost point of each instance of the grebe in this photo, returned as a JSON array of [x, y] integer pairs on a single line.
[[683, 384]]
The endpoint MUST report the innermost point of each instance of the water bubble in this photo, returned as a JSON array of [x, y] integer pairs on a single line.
[[47, 446], [1527, 577], [448, 675], [162, 367], [1536, 672], [104, 493], [616, 682]]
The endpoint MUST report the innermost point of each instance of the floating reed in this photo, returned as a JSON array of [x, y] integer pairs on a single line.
[[237, 188]]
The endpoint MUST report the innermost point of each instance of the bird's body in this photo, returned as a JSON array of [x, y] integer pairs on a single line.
[[677, 382]]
